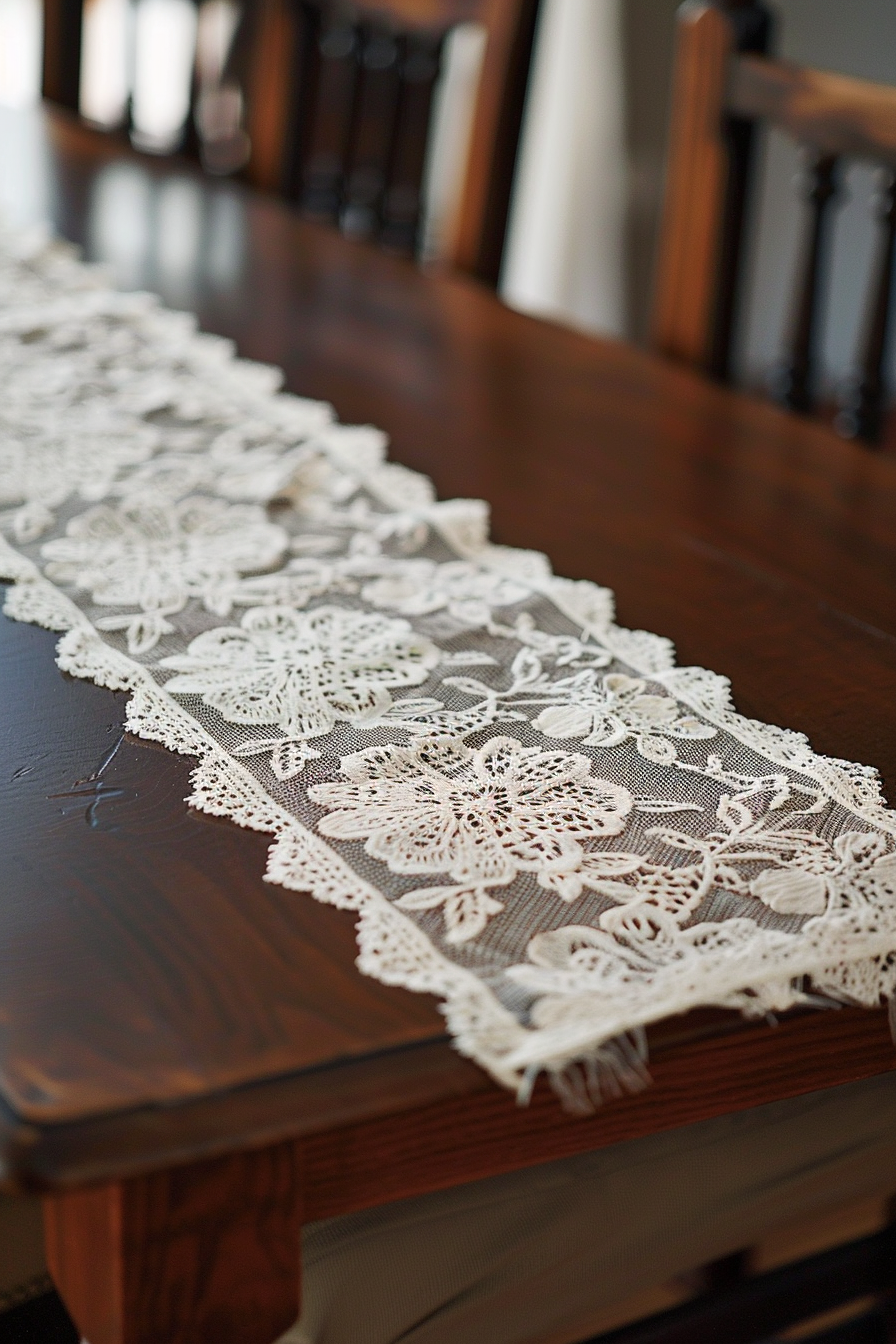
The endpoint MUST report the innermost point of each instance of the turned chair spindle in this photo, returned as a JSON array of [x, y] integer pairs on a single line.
[[796, 382], [362, 116], [864, 411]]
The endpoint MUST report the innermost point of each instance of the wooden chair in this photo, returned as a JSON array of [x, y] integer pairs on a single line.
[[838, 1294], [340, 101], [339, 98], [724, 85]]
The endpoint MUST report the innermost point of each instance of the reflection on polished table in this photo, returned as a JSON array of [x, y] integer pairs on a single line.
[[190, 1064]]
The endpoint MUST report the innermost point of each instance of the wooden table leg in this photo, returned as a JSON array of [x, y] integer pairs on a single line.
[[200, 1254]]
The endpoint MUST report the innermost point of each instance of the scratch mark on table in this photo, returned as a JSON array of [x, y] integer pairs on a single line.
[[99, 793]]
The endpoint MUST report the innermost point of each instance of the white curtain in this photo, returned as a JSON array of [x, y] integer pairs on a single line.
[[565, 250]]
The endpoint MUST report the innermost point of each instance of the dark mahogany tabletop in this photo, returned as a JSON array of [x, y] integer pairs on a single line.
[[158, 1000]]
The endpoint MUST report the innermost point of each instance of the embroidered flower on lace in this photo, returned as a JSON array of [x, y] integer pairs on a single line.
[[467, 592], [579, 970], [157, 558], [603, 713], [799, 873], [301, 672], [859, 863], [294, 585], [802, 871], [644, 951], [254, 462], [369, 527], [404, 512], [531, 688], [478, 816], [45, 459], [256, 475]]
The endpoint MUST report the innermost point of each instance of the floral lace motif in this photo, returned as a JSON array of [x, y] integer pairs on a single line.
[[602, 840], [157, 558], [481, 816], [302, 671]]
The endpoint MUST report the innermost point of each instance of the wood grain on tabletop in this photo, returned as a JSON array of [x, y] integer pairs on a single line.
[[143, 959]]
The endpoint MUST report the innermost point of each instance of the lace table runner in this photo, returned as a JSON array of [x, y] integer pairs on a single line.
[[535, 814]]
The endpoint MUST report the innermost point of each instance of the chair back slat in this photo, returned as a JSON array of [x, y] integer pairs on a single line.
[[266, 51], [796, 379], [330, 105], [401, 212], [374, 125], [710, 164], [476, 242], [863, 413], [361, 125], [684, 294], [61, 74]]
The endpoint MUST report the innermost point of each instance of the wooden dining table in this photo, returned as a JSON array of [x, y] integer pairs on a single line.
[[191, 1066]]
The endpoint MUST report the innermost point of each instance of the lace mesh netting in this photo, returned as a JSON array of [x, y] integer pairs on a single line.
[[536, 815]]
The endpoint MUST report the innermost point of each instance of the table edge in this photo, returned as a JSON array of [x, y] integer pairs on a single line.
[[701, 1065]]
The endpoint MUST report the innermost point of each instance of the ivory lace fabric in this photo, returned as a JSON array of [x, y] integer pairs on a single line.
[[535, 814]]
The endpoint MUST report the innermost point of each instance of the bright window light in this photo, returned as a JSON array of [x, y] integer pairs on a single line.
[[21, 25], [104, 61], [217, 24], [165, 47]]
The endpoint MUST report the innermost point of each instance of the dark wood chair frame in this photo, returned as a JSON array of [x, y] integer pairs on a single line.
[[724, 85], [356, 82], [339, 99]]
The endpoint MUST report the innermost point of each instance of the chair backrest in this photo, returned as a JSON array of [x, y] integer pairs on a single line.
[[723, 85], [338, 102], [340, 99]]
